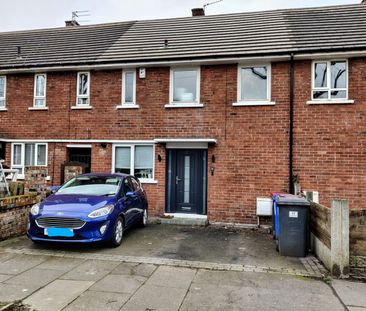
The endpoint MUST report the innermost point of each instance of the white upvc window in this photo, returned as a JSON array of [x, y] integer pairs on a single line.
[[2, 92], [254, 85], [330, 80], [40, 82], [28, 154], [185, 86], [129, 87], [83, 89], [136, 160]]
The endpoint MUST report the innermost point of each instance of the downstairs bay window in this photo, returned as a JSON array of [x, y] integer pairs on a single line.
[[28, 154], [136, 160]]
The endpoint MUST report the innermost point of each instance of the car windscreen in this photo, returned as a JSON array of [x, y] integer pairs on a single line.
[[91, 185]]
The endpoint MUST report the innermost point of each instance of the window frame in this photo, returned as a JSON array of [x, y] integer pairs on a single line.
[[82, 96], [22, 156], [197, 101], [35, 97], [123, 101], [254, 102], [132, 160], [4, 98], [329, 88]]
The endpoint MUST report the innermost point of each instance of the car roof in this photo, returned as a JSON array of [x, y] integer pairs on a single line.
[[120, 175]]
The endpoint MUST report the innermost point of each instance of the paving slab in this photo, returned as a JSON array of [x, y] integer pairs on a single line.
[[154, 297], [356, 309], [118, 283], [20, 263], [228, 298], [6, 256], [134, 269], [35, 277], [57, 295], [351, 293], [4, 277], [60, 263], [91, 270], [172, 277], [12, 292], [256, 280], [98, 301]]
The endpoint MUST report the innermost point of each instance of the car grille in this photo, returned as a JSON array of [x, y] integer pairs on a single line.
[[60, 222]]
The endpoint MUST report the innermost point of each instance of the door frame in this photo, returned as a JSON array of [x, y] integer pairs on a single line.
[[168, 208]]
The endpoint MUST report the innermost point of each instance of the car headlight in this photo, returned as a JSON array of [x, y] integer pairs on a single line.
[[35, 209], [106, 210]]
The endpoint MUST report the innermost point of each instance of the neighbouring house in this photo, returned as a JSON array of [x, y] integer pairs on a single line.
[[209, 112]]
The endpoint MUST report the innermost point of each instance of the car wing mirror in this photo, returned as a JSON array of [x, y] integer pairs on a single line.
[[54, 189], [130, 194]]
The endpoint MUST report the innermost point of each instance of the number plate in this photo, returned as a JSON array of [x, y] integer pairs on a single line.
[[60, 232]]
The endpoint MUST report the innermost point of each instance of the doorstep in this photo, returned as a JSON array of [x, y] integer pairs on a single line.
[[181, 219]]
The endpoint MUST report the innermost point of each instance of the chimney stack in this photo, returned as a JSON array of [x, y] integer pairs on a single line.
[[363, 2], [201, 11], [71, 23]]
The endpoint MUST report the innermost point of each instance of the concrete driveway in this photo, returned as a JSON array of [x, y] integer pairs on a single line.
[[251, 248], [164, 267]]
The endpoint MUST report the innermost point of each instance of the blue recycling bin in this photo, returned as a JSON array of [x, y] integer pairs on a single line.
[[275, 216]]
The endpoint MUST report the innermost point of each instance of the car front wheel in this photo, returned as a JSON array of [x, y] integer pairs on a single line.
[[117, 233]]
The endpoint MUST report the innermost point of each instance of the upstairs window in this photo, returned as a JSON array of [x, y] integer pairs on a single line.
[[2, 92], [254, 84], [40, 90], [83, 89], [136, 160], [185, 86], [28, 154], [129, 87], [330, 80]]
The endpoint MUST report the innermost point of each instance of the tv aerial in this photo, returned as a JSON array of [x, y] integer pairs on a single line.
[[211, 3], [75, 15]]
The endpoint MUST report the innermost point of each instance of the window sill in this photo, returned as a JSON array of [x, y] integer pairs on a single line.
[[125, 106], [148, 181], [37, 108], [3, 109], [254, 103], [81, 107], [187, 105], [331, 102]]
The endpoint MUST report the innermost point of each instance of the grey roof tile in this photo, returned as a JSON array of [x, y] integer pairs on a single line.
[[254, 33]]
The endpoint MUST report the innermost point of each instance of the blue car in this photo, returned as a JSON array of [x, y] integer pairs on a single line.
[[90, 208]]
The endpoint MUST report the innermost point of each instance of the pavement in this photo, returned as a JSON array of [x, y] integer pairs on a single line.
[[155, 269]]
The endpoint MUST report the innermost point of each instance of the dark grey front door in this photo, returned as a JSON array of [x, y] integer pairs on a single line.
[[186, 181]]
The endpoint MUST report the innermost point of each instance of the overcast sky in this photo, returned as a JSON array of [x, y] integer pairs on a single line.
[[31, 14]]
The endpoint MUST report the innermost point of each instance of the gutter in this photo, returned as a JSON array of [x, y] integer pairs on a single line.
[[187, 61], [291, 129]]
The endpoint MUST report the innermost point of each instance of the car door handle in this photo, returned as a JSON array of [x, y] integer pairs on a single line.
[[177, 180]]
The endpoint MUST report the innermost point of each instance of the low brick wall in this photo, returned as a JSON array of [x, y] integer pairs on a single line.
[[14, 214]]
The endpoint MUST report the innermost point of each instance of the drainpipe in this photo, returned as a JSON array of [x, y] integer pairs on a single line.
[[291, 130]]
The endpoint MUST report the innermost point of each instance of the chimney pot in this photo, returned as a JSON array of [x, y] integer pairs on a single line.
[[200, 12], [71, 23]]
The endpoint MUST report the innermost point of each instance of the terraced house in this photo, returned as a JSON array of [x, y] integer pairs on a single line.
[[209, 112]]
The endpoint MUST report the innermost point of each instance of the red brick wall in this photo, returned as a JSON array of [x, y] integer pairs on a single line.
[[330, 140], [252, 149], [14, 213]]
